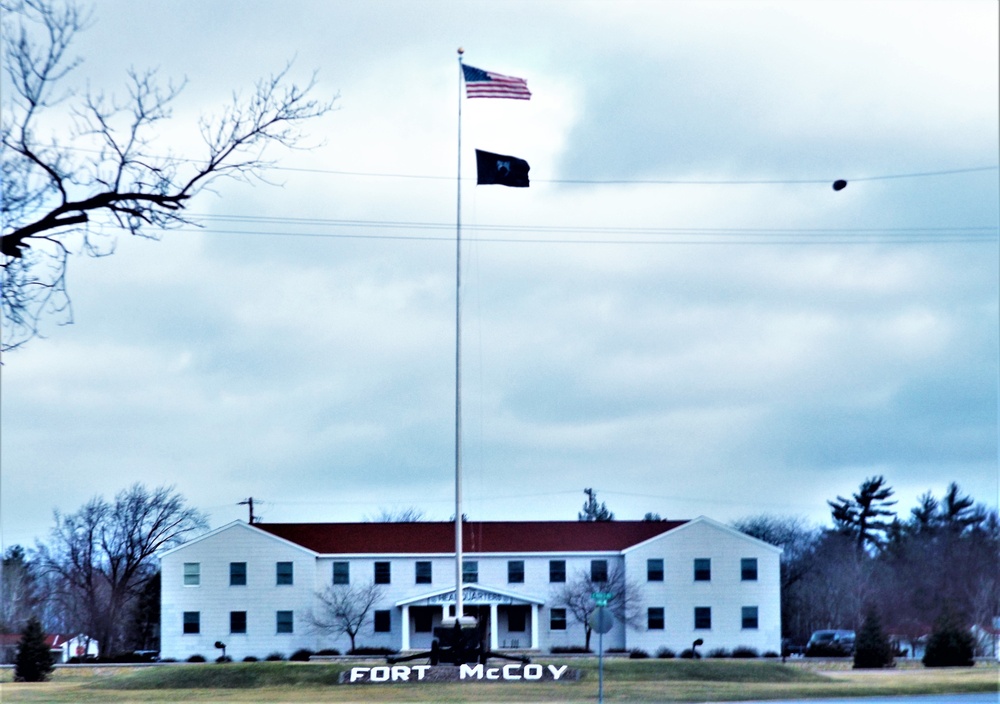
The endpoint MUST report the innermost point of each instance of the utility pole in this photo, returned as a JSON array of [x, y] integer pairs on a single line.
[[248, 502]]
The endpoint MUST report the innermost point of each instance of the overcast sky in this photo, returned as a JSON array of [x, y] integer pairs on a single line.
[[680, 312]]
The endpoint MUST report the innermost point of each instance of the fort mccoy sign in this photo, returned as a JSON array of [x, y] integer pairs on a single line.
[[416, 674]]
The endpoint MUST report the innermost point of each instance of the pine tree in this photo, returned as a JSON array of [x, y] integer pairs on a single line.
[[863, 515], [872, 648], [950, 645], [593, 511], [34, 660]]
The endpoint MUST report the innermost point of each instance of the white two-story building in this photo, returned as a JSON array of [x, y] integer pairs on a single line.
[[254, 587]]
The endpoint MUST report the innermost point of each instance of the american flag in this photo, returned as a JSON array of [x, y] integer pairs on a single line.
[[486, 84]]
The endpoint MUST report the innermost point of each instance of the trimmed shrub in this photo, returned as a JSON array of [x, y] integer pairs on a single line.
[[275, 657], [637, 654], [717, 653], [250, 658], [34, 661], [689, 654], [223, 659], [197, 658], [872, 649], [666, 654], [301, 655], [744, 651], [950, 645], [770, 654], [328, 651], [373, 650], [570, 649]]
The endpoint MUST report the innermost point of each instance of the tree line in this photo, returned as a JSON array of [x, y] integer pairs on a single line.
[[940, 560], [98, 572]]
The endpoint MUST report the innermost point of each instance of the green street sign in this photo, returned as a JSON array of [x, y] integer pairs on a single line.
[[602, 598]]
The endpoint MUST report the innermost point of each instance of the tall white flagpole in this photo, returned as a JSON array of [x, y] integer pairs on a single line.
[[459, 610]]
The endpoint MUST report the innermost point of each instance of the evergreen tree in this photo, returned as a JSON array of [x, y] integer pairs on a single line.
[[863, 515], [593, 511], [872, 648], [34, 661], [950, 645]]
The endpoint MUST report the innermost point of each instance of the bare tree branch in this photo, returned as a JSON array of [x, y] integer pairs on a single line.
[[345, 608], [102, 556], [577, 598], [69, 192]]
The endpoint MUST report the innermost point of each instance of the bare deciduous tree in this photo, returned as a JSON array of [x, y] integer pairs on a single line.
[[345, 608], [577, 598], [101, 557], [71, 190], [400, 515]]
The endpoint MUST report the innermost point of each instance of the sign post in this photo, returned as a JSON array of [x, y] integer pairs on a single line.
[[601, 620]]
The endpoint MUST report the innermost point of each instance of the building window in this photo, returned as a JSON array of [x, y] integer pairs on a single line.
[[748, 569], [284, 573], [702, 569], [383, 621], [192, 622], [517, 619], [423, 573], [654, 570], [557, 570], [283, 622], [383, 573], [598, 570], [470, 571], [237, 621], [515, 571], [750, 617], [341, 572], [557, 619], [192, 574], [423, 620], [655, 618], [702, 617], [237, 574]]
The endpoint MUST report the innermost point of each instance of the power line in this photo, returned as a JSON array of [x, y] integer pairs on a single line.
[[665, 182], [625, 235]]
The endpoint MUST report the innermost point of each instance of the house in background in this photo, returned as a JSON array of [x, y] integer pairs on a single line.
[[63, 647], [254, 587]]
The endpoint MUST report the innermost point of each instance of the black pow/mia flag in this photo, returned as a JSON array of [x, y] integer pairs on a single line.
[[501, 169]]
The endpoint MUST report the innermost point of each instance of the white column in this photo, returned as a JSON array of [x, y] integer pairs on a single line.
[[494, 628], [406, 628], [535, 628]]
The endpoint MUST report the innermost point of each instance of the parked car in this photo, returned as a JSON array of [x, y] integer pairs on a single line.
[[830, 643]]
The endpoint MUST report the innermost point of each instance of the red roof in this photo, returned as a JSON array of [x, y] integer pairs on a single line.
[[487, 536], [53, 640]]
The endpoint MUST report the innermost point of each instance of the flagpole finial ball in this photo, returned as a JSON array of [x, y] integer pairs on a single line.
[[461, 51], [839, 185]]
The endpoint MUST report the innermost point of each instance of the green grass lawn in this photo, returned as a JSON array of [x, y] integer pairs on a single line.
[[624, 681]]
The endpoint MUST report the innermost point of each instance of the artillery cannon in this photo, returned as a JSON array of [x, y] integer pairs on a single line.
[[457, 642]]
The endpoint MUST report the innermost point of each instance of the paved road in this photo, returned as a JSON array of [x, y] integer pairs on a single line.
[[982, 698]]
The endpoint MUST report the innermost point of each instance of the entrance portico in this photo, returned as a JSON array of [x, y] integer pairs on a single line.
[[420, 613]]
